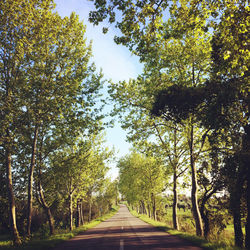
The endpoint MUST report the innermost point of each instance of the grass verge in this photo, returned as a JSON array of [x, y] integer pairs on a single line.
[[54, 240], [198, 241]]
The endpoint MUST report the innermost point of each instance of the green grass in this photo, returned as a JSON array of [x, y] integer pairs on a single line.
[[198, 241], [51, 241]]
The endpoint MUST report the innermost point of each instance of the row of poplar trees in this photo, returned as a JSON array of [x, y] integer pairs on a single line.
[[49, 129], [192, 101]]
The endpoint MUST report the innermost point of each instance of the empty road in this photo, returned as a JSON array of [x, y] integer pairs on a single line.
[[124, 232]]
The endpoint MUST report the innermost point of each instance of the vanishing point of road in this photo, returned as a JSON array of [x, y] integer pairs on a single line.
[[125, 232]]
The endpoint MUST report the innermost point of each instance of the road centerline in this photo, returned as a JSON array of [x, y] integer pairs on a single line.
[[121, 244]]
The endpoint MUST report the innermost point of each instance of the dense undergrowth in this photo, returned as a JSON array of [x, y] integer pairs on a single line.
[[43, 242]]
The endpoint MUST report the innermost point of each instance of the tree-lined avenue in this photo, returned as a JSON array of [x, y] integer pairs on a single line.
[[124, 231]]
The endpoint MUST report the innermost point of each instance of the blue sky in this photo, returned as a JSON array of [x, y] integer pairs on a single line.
[[116, 62]]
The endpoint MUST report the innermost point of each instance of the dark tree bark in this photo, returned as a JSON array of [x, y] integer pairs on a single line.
[[148, 211], [204, 213], [144, 210], [235, 204], [246, 149], [78, 221], [237, 224], [153, 206], [247, 241]]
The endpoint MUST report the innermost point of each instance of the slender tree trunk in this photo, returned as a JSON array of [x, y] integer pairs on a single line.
[[46, 208], [82, 221], [116, 195], [236, 190], [175, 202], [11, 198], [149, 212], [247, 167], [235, 197], [144, 208], [247, 239], [78, 223], [195, 207], [141, 207], [40, 196], [153, 206], [30, 183], [70, 212], [238, 235], [204, 216], [51, 221], [90, 207]]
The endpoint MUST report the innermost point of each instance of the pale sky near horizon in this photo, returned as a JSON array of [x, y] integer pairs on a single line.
[[116, 63]]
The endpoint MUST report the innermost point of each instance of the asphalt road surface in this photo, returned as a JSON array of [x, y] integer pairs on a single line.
[[125, 232]]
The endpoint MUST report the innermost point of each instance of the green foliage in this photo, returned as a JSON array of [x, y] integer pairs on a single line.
[[179, 100], [187, 235], [48, 86], [141, 179], [52, 241], [196, 65]]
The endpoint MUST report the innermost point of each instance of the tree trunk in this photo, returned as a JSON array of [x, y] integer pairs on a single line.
[[142, 207], [46, 208], [30, 183], [90, 208], [78, 222], [51, 221], [175, 202], [11, 198], [247, 239], [195, 207], [237, 226], [247, 167], [204, 216], [70, 212], [144, 211], [41, 198], [81, 214], [153, 206], [235, 205], [149, 213]]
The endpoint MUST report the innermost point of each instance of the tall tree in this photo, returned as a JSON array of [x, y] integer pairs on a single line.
[[16, 41], [229, 82], [173, 53], [59, 65], [146, 178], [226, 94], [133, 102], [46, 82]]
